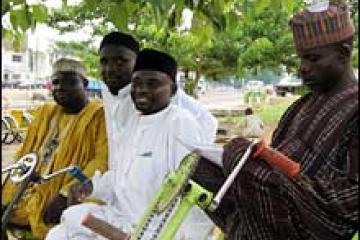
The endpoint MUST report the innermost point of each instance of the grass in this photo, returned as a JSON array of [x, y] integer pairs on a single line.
[[270, 114], [356, 237]]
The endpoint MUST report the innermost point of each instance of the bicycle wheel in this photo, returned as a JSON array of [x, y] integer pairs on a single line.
[[5, 130], [26, 120], [13, 128], [22, 129]]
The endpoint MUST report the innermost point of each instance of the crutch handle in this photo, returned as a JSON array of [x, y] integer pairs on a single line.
[[277, 159], [78, 174], [103, 228]]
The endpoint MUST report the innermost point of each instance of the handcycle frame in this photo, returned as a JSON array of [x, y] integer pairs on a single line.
[[13, 128], [194, 194], [176, 184], [23, 172]]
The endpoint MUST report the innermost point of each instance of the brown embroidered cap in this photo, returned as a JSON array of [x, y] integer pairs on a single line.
[[314, 29]]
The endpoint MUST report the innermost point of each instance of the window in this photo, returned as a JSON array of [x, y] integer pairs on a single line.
[[31, 61], [6, 76], [16, 58], [16, 76]]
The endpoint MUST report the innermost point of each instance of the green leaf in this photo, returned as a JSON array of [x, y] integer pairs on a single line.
[[218, 6], [288, 5], [130, 6], [33, 24], [201, 28], [166, 5], [39, 13], [228, 6], [261, 5], [5, 7], [6, 33], [64, 3], [18, 19], [91, 4], [14, 20], [179, 7], [118, 15], [156, 3], [157, 15], [18, 40], [232, 22], [276, 5]]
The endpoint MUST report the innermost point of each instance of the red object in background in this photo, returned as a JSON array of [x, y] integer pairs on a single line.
[[48, 84]]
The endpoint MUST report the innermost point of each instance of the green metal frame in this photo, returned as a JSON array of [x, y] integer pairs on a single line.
[[177, 184], [196, 195]]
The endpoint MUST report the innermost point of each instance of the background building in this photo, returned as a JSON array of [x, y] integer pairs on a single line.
[[31, 65]]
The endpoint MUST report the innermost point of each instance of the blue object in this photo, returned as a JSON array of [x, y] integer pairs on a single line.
[[94, 85], [76, 173]]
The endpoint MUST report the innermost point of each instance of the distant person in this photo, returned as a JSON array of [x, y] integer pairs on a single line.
[[70, 131], [251, 126]]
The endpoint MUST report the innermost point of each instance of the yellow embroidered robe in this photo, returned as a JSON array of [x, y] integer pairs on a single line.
[[84, 145]]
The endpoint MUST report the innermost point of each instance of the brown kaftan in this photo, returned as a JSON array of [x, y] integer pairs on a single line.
[[320, 131]]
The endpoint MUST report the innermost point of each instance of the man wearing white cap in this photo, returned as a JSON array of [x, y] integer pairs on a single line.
[[70, 131]]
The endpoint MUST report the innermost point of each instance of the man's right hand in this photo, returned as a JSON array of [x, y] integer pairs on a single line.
[[79, 191]]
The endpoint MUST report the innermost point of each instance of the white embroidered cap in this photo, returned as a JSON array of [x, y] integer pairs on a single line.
[[69, 65]]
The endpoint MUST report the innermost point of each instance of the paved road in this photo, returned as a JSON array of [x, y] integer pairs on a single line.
[[212, 99], [7, 153], [223, 100]]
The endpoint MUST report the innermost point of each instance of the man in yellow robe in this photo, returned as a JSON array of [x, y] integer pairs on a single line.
[[70, 131]]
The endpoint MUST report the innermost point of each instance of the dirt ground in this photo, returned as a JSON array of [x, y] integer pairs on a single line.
[[7, 153]]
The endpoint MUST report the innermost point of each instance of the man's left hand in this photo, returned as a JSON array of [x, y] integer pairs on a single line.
[[54, 209]]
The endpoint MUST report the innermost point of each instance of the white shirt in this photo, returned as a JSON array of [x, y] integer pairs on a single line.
[[251, 127], [113, 107], [148, 150], [206, 120]]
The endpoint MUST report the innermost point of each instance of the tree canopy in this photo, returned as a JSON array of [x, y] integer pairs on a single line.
[[226, 37]]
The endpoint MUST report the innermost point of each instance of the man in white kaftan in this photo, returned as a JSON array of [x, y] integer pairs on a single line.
[[207, 121], [143, 165], [117, 57], [115, 116], [117, 53]]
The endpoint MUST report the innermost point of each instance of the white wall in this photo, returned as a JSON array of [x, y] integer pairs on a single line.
[[35, 51]]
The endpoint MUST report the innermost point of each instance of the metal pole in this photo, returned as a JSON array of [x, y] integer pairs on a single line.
[[7, 213], [225, 187]]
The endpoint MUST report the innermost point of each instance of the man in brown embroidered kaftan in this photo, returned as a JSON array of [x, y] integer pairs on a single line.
[[320, 131]]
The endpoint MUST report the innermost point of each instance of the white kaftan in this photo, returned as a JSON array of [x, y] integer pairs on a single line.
[[114, 105], [148, 150], [207, 121]]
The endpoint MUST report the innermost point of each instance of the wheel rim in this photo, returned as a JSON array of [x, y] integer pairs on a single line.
[[4, 130], [13, 130]]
